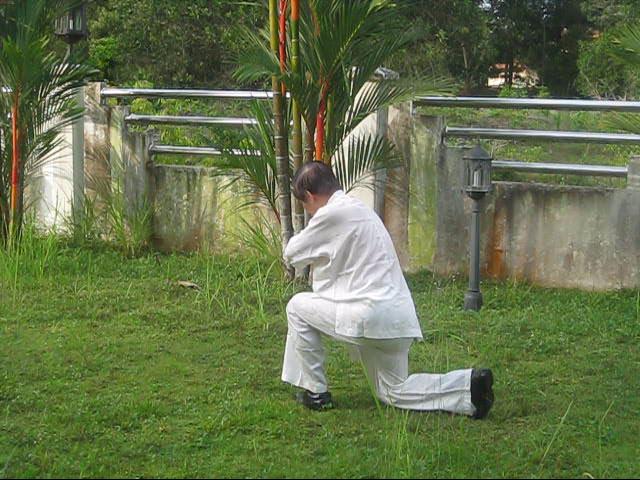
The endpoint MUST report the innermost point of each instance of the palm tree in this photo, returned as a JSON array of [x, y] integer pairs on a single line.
[[340, 46], [37, 100], [626, 47]]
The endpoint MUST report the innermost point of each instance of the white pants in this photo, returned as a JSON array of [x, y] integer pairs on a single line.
[[385, 361]]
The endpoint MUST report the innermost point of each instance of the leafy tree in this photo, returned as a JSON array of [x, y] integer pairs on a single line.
[[606, 14], [454, 41], [168, 42], [342, 44], [601, 72], [604, 75], [543, 34]]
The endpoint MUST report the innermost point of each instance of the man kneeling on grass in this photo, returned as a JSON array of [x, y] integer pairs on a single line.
[[360, 297]]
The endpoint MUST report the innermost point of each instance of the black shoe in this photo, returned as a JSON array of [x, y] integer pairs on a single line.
[[315, 401], [481, 391]]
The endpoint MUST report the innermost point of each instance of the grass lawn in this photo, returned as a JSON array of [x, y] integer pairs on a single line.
[[110, 368]]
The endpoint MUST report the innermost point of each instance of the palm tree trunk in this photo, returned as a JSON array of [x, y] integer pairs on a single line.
[[309, 148], [320, 123], [15, 166], [282, 40], [4, 192], [298, 218], [282, 155]]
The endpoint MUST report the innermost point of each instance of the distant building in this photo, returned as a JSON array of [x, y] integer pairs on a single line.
[[523, 76]]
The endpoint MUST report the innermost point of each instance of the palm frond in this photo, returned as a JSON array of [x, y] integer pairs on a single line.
[[626, 45], [254, 163], [258, 61], [262, 238], [358, 158], [628, 122], [41, 86]]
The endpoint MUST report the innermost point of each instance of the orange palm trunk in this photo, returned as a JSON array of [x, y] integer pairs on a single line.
[[320, 123], [15, 160], [283, 40]]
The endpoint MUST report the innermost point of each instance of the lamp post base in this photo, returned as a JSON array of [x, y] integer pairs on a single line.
[[472, 300]]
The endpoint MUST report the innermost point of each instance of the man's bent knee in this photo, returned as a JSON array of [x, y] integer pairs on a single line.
[[295, 309]]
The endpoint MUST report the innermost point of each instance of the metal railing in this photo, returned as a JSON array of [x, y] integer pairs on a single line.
[[576, 105], [561, 168], [199, 151], [193, 121], [541, 135], [110, 92], [546, 135], [187, 120], [426, 101]]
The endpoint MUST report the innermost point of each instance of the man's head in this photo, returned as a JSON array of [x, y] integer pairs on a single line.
[[313, 185]]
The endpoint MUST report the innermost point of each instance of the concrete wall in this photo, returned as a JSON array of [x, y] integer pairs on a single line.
[[185, 208], [54, 187], [49, 190], [563, 236], [551, 235]]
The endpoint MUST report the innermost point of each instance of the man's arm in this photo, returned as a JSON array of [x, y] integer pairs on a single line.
[[312, 243]]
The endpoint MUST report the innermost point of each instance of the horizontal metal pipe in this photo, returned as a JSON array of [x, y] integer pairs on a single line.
[[190, 120], [546, 135], [561, 168], [530, 103], [178, 150], [111, 92], [202, 151]]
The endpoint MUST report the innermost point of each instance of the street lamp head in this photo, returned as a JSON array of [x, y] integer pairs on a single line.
[[477, 172], [72, 26]]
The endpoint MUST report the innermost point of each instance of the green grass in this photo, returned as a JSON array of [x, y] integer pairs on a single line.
[[109, 368]]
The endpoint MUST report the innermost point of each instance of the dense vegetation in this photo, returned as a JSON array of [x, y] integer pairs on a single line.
[[197, 43]]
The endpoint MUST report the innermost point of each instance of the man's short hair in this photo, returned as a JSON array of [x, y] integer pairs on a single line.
[[316, 178]]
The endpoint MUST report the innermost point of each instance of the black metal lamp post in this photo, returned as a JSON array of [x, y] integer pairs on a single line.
[[72, 26], [477, 183]]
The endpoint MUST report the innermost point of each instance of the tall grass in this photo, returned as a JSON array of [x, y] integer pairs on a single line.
[[28, 255], [397, 459], [109, 216]]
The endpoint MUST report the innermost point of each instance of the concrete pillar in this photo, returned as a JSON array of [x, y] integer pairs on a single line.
[[137, 168], [633, 177], [397, 182], [78, 158], [426, 150], [96, 142], [381, 129], [116, 148], [49, 190]]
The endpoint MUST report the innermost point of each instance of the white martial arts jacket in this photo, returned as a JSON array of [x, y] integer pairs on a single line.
[[356, 266]]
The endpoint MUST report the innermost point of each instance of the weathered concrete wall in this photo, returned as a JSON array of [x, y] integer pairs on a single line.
[[564, 236], [185, 206], [425, 142], [195, 208], [396, 194], [557, 236], [49, 189], [550, 235], [97, 170]]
